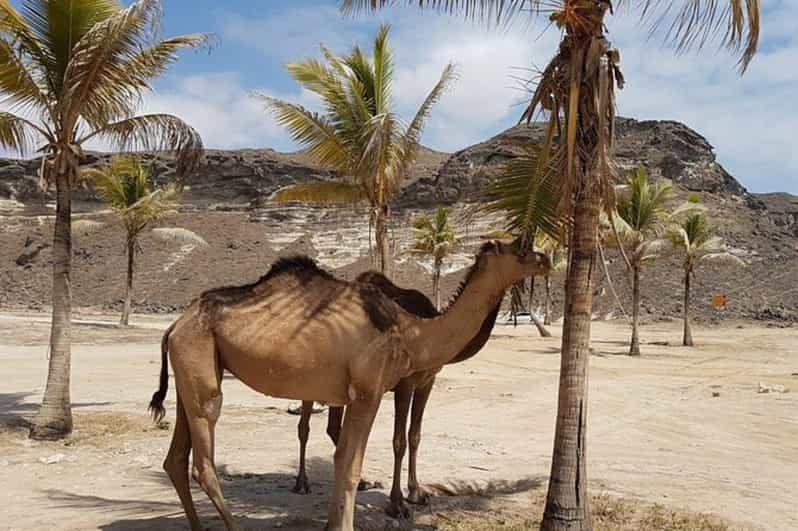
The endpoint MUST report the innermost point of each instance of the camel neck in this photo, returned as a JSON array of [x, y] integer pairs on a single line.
[[439, 340]]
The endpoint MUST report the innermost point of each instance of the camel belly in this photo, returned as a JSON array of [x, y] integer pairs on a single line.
[[282, 375]]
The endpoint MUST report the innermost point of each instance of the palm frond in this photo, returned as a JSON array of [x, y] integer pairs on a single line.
[[357, 133], [312, 130], [325, 192], [489, 10], [17, 84], [19, 134], [692, 24], [158, 132], [55, 27], [530, 195], [412, 136], [179, 235]]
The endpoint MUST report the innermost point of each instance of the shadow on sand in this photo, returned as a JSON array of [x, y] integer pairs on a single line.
[[264, 501], [16, 411]]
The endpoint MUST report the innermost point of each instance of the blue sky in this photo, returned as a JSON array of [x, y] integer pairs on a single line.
[[751, 121]]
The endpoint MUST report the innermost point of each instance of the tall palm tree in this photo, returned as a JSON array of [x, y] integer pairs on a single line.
[[640, 221], [434, 237], [125, 185], [577, 92], [75, 71], [359, 134], [697, 241]]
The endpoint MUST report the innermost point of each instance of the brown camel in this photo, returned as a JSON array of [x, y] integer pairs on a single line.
[[415, 390], [299, 333]]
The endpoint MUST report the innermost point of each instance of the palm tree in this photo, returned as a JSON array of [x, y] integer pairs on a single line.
[[434, 237], [558, 257], [697, 241], [640, 220], [74, 71], [125, 185], [359, 134], [577, 92]]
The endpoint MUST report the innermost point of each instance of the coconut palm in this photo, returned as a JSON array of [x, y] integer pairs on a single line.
[[359, 134], [640, 222], [697, 241], [125, 185], [74, 71], [434, 237], [577, 92]]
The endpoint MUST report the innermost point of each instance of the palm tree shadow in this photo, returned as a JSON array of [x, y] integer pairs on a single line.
[[16, 411], [265, 501]]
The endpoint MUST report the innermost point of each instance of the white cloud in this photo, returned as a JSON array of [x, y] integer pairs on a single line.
[[750, 120]]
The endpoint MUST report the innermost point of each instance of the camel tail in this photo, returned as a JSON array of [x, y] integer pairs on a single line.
[[156, 408]]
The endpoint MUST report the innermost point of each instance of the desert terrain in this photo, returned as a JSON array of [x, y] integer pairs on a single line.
[[676, 430]]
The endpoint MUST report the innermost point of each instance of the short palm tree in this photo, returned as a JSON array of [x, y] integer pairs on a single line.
[[125, 185], [697, 241], [358, 134], [74, 71], [577, 92], [640, 221], [434, 237]]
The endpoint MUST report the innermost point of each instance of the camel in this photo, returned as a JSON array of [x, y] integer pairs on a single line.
[[301, 334], [414, 389]]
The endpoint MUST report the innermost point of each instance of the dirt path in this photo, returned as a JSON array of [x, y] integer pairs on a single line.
[[656, 431]]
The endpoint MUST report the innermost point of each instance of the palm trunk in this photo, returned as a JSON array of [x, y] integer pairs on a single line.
[[381, 240], [634, 347], [131, 253], [567, 502], [54, 418], [687, 341], [436, 284], [539, 325], [547, 303]]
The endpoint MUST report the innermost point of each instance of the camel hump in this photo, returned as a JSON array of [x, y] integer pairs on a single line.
[[301, 266], [410, 300]]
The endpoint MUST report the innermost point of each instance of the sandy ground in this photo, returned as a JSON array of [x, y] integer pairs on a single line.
[[656, 432]]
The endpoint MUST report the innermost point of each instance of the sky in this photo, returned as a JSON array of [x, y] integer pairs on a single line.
[[751, 120]]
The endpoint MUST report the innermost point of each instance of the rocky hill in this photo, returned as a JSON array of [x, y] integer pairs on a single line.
[[226, 201]]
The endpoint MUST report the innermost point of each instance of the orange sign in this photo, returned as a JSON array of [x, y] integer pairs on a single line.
[[719, 301]]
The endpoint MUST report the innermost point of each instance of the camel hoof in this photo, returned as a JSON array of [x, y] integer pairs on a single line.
[[369, 485], [418, 497], [398, 510], [302, 486]]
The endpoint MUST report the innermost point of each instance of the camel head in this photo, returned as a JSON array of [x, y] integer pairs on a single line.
[[511, 264]]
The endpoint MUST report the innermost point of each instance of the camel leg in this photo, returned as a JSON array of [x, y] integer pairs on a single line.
[[176, 465], [403, 394], [303, 430], [199, 377], [415, 494], [335, 417], [349, 461]]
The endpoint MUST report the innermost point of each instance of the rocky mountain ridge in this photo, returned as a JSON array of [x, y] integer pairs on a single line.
[[226, 201]]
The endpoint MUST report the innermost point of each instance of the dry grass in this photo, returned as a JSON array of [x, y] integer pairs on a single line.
[[610, 513], [93, 428]]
